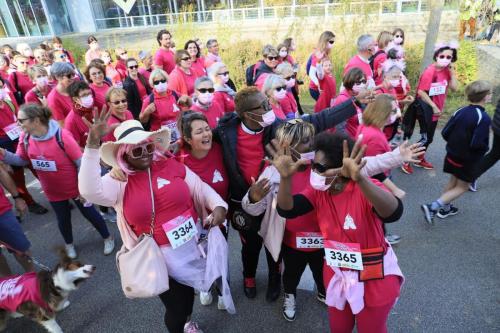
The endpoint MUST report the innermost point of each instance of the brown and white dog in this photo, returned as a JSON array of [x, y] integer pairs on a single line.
[[39, 296]]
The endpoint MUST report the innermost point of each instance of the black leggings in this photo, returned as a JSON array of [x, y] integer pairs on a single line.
[[295, 264], [489, 159], [178, 301], [250, 250], [430, 133]]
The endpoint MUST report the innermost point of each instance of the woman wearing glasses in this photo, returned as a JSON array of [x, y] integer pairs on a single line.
[[224, 94], [288, 104], [58, 100], [275, 90], [160, 109], [55, 155], [182, 78], [111, 72], [116, 100], [169, 194], [354, 81], [361, 273], [432, 90], [95, 75], [136, 86], [266, 66], [19, 80], [323, 49], [204, 101]]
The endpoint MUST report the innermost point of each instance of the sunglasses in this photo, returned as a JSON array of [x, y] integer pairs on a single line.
[[157, 82], [290, 77], [133, 67], [223, 74], [205, 90], [124, 53], [398, 36], [185, 59], [361, 81], [331, 41], [321, 168], [123, 101], [142, 150], [442, 56], [264, 105], [280, 88], [23, 62], [62, 56], [272, 58]]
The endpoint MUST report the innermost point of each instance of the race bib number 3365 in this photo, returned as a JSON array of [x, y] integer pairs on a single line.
[[343, 255]]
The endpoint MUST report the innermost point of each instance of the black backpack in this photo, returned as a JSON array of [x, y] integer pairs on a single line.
[[250, 73]]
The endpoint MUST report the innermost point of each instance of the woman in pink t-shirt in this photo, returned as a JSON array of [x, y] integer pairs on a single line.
[[323, 49], [385, 43], [111, 73], [55, 156], [58, 99], [288, 104], [327, 84], [39, 93], [224, 95], [182, 78], [116, 100], [432, 89], [275, 89], [94, 51], [204, 102], [197, 60], [19, 81], [95, 73]]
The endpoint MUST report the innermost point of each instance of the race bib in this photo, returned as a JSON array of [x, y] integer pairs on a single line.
[[44, 165], [309, 240], [344, 255], [360, 118], [180, 230], [13, 131], [174, 132], [437, 88]]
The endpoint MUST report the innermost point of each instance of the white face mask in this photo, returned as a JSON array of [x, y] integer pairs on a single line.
[[398, 40], [290, 83], [283, 54], [3, 94], [106, 60], [394, 83], [307, 156], [225, 78], [161, 87], [359, 87], [206, 98], [87, 101], [443, 62], [94, 46], [267, 118], [279, 95], [318, 182], [42, 81], [124, 56]]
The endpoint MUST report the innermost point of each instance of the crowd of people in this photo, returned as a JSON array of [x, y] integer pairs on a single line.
[[166, 146]]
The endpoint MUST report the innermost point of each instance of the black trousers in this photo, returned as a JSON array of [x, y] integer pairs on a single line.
[[178, 301], [295, 263], [430, 133], [250, 250], [489, 159]]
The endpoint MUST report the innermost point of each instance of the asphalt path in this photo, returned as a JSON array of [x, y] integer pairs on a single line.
[[452, 272]]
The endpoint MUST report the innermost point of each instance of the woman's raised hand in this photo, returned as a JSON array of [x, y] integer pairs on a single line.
[[99, 128], [259, 189], [411, 153], [282, 159], [353, 162]]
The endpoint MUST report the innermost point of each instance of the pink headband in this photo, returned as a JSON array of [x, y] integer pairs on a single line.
[[451, 45]]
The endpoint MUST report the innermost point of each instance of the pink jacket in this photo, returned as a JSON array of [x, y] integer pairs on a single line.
[[272, 228]]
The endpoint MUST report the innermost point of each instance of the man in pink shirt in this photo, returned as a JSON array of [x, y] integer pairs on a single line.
[[164, 57], [367, 46]]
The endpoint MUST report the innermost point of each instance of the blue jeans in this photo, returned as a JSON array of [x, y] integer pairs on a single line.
[[11, 232], [63, 215], [495, 26]]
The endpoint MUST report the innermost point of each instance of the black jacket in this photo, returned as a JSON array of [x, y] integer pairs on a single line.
[[418, 110], [133, 99], [263, 69], [226, 133]]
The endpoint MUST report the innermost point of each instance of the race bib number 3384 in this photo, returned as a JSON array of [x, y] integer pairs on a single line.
[[343, 255]]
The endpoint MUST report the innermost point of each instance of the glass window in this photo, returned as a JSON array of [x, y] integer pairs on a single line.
[[59, 17], [23, 18]]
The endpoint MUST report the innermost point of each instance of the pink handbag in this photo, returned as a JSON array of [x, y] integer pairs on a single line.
[[142, 269]]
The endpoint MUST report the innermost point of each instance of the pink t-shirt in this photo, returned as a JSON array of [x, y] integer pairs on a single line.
[[7, 120], [356, 61], [75, 125], [100, 94], [141, 89], [165, 59], [121, 68], [353, 122], [24, 83], [213, 113], [115, 120], [61, 184], [5, 204], [374, 139], [225, 99], [112, 74], [288, 104], [377, 67], [431, 79], [17, 290], [171, 197], [166, 111], [198, 67], [59, 105], [146, 73], [278, 111], [31, 97]]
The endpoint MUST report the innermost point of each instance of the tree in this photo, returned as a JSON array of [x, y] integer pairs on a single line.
[[436, 9]]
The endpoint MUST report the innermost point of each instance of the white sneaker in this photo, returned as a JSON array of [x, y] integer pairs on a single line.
[[109, 245], [192, 327], [206, 298], [220, 304], [70, 251], [393, 239], [289, 307]]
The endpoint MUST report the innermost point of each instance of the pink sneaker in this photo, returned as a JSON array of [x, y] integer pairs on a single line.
[[192, 327]]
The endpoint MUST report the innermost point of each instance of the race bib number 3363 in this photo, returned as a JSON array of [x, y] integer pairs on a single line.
[[343, 255], [309, 240], [180, 230]]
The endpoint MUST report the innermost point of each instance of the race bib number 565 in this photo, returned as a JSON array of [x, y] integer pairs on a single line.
[[344, 255], [44, 165]]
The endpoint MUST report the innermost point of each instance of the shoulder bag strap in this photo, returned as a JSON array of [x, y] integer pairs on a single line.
[[152, 204]]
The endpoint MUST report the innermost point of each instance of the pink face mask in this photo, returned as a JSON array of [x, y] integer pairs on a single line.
[[206, 98], [290, 83], [443, 62], [279, 95], [359, 87], [87, 101]]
